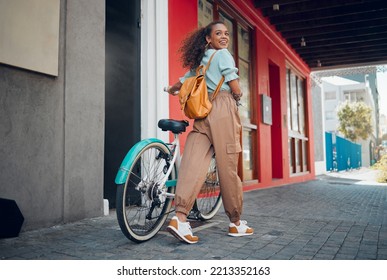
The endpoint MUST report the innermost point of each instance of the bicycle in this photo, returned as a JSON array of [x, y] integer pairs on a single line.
[[146, 183]]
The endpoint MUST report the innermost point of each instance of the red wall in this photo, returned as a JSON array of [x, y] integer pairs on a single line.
[[182, 20], [270, 49]]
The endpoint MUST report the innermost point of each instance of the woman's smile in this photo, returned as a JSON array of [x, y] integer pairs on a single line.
[[219, 37]]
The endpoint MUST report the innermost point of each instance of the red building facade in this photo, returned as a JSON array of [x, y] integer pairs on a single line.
[[277, 134]]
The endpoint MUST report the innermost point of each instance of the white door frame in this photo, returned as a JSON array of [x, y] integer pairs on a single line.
[[154, 67]]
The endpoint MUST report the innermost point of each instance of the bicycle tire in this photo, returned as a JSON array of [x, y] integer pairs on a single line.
[[209, 200], [140, 192]]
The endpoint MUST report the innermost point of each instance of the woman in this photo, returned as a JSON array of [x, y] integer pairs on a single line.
[[220, 131]]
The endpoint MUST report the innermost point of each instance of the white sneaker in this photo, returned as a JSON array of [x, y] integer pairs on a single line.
[[241, 230], [182, 231]]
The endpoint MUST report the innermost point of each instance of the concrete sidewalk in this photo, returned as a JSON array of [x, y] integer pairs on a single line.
[[336, 216]]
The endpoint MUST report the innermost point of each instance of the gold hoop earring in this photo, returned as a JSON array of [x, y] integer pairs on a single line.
[[208, 43]]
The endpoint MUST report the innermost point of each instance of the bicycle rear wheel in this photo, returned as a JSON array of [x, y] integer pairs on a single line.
[[209, 200], [142, 206]]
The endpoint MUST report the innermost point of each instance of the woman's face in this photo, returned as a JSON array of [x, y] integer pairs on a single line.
[[219, 37]]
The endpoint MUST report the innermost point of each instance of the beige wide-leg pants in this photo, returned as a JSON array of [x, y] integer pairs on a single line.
[[220, 130]]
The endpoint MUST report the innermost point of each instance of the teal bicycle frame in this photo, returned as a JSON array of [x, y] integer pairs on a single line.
[[173, 148]]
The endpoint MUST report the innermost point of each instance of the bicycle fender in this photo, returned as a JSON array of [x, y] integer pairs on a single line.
[[123, 171]]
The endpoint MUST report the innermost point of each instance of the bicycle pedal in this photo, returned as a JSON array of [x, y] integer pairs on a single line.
[[194, 215]]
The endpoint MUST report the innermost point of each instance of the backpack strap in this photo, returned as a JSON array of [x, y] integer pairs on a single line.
[[215, 93], [209, 62]]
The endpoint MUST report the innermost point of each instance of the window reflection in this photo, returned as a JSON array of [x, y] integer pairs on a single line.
[[245, 109], [205, 14], [247, 154], [243, 43]]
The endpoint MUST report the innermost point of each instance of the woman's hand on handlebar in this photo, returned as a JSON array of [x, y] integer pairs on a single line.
[[173, 90], [169, 90]]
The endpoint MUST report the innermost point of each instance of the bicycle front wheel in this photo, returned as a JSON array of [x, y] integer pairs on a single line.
[[209, 199], [142, 204]]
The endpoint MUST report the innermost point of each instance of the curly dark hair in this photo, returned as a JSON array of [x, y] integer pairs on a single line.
[[194, 46]]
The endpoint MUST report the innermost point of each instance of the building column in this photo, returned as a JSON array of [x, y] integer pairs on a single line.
[[154, 67]]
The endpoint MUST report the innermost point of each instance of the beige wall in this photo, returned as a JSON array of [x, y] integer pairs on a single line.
[[29, 34], [52, 128]]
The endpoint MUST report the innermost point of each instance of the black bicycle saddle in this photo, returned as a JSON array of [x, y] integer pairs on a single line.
[[174, 126]]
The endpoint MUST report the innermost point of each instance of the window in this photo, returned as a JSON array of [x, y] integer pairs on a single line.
[[329, 115], [298, 140], [330, 95], [354, 95], [240, 48]]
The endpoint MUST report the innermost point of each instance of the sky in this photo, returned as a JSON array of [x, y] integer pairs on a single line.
[[382, 88]]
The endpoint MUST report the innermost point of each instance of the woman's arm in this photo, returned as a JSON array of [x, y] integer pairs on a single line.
[[236, 90], [174, 90]]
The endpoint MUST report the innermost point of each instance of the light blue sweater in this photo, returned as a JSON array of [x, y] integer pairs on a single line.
[[222, 64]]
